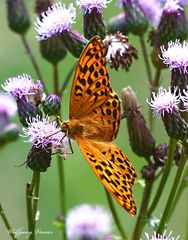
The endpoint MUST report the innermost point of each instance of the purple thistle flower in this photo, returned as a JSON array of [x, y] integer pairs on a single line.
[[181, 2], [89, 222], [184, 2], [175, 55], [8, 106], [55, 20], [44, 133], [152, 9], [22, 85], [89, 5], [163, 236], [172, 6], [164, 101]]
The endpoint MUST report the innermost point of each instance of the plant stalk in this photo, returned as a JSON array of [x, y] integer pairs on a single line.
[[62, 193], [166, 213], [166, 172], [60, 167], [67, 79], [33, 60], [7, 224], [146, 60], [36, 197], [142, 216]]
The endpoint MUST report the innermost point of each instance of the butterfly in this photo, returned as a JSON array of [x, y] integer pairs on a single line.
[[94, 121]]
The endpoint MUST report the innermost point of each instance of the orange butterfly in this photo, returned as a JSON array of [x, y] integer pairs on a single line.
[[94, 122]]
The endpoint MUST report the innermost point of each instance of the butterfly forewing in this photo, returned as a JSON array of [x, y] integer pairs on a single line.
[[113, 169], [91, 84]]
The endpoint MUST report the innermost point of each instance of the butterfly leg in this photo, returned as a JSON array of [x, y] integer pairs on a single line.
[[56, 117]]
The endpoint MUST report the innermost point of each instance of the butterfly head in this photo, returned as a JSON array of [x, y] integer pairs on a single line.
[[65, 126]]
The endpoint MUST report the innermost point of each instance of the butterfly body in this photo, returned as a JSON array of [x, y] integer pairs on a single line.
[[94, 123]]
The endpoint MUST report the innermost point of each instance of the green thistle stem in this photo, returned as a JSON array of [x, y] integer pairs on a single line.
[[33, 60], [115, 216], [36, 197], [56, 78], [142, 216], [68, 77], [7, 224], [146, 60], [183, 184], [29, 202], [166, 172], [166, 213], [62, 193], [60, 167]]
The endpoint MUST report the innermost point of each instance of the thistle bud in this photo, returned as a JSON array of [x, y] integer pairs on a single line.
[[148, 172], [26, 110], [52, 49], [9, 133], [179, 80], [93, 18], [176, 127], [141, 140], [39, 159], [18, 18], [173, 23], [51, 105], [74, 42], [118, 23], [135, 18], [161, 154]]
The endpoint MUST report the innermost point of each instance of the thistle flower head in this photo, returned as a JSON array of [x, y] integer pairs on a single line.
[[55, 20], [88, 222], [7, 105], [164, 236], [152, 9], [22, 85], [44, 133], [175, 55], [89, 5], [120, 51], [172, 6], [164, 101]]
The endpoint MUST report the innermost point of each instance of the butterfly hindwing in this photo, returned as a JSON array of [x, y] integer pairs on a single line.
[[113, 169], [91, 85]]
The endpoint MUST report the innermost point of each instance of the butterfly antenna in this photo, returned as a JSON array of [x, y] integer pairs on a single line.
[[21, 164]]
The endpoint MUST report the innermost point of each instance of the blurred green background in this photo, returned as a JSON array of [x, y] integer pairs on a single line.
[[82, 186]]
